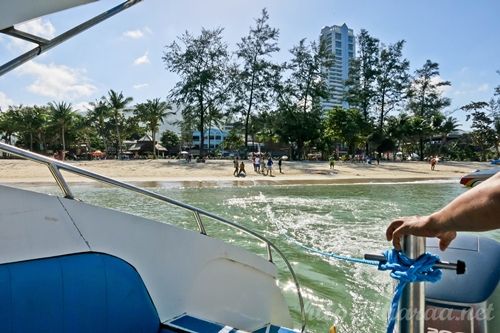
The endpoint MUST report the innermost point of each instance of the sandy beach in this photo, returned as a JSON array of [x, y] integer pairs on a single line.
[[215, 172]]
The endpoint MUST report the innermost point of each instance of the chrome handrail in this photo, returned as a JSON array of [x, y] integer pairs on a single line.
[[55, 166]]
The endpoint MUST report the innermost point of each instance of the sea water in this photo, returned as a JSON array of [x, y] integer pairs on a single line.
[[345, 219]]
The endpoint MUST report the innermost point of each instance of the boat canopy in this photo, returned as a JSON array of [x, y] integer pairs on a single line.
[[15, 12]]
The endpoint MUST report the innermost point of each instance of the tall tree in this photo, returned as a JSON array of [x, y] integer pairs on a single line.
[[448, 126], [117, 103], [61, 114], [253, 81], [300, 94], [98, 116], [392, 80], [345, 125], [483, 125], [202, 65], [31, 120], [426, 98], [9, 123], [360, 86], [153, 113]]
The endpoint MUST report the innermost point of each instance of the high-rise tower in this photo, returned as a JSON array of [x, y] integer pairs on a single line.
[[340, 41]]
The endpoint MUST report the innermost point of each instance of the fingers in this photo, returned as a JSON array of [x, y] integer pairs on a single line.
[[445, 239], [391, 228], [396, 236]]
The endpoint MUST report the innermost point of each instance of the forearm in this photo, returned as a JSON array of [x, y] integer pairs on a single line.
[[476, 210]]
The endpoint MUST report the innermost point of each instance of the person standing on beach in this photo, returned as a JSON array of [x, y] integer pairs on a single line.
[[235, 165], [280, 161], [270, 166], [433, 163], [242, 172], [332, 162], [257, 163]]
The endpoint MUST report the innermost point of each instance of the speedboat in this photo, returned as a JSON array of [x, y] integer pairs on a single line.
[[478, 176], [69, 266]]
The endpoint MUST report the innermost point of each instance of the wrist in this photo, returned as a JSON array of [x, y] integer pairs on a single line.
[[436, 223]]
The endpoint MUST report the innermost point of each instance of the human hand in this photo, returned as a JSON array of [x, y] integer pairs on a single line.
[[423, 226]]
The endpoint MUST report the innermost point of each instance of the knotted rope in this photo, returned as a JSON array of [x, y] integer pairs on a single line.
[[408, 270]]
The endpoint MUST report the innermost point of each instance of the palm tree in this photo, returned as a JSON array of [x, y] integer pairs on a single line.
[[98, 116], [449, 125], [30, 120], [8, 124], [117, 103], [152, 113], [62, 114]]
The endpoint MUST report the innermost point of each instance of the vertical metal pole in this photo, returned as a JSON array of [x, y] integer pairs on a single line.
[[411, 316]]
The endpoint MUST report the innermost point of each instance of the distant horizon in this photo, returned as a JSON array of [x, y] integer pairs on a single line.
[[124, 52]]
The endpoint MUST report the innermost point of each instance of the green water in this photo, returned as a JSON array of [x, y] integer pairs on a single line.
[[345, 219]]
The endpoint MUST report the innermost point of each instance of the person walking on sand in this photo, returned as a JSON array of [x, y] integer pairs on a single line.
[[280, 161], [235, 165], [433, 163], [242, 172]]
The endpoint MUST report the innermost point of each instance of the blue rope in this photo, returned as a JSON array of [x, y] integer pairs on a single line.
[[408, 270], [337, 256]]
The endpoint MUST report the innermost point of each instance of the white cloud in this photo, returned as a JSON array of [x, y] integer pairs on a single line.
[[441, 89], [81, 107], [57, 81], [5, 101], [38, 27], [142, 60], [483, 87], [134, 34], [140, 85], [138, 33]]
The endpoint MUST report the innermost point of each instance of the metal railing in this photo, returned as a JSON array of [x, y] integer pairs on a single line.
[[55, 166]]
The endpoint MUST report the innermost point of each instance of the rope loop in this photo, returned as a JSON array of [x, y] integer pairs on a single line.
[[407, 270]]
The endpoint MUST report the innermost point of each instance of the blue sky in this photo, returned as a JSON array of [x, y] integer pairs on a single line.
[[124, 52]]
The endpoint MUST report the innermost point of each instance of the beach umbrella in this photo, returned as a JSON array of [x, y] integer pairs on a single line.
[[97, 153]]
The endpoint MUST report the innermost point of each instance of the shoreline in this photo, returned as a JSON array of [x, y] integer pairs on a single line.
[[219, 173], [237, 183]]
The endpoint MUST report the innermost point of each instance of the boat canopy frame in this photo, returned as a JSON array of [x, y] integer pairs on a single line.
[[55, 167], [46, 44]]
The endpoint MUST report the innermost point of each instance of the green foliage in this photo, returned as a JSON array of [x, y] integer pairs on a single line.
[[360, 86], [345, 125], [117, 104], [62, 116], [202, 65], [152, 113], [233, 141], [170, 140], [255, 80], [483, 125], [426, 91], [391, 81]]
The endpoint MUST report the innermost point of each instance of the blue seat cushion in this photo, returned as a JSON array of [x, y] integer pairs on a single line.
[[87, 292]]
